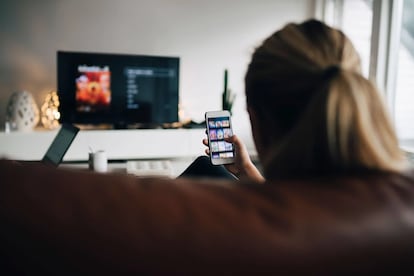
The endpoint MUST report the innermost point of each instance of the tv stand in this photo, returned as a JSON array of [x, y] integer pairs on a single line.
[[120, 144]]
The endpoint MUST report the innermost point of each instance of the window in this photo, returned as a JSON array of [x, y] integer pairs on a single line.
[[404, 88]]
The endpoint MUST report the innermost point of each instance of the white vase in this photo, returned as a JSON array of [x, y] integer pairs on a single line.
[[22, 111]]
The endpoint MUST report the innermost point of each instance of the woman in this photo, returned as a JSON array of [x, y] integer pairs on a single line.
[[312, 113], [311, 110]]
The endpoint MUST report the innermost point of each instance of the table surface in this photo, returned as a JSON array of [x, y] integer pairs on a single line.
[[178, 166]]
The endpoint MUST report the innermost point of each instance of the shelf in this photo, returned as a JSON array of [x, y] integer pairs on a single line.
[[119, 144]]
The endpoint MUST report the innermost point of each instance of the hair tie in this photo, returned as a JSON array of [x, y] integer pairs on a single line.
[[331, 71]]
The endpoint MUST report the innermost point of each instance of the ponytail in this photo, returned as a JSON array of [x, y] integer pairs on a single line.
[[359, 131], [345, 128]]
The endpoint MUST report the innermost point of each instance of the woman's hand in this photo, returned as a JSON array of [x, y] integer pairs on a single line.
[[243, 166]]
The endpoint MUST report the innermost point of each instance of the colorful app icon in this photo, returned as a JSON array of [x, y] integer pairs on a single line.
[[214, 146], [213, 134], [220, 134]]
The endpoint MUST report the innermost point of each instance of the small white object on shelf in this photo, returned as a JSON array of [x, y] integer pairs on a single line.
[[150, 168], [22, 111], [7, 127], [99, 161]]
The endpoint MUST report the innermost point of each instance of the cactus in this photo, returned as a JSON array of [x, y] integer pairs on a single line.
[[228, 96]]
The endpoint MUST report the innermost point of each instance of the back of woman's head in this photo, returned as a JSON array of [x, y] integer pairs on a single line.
[[315, 112]]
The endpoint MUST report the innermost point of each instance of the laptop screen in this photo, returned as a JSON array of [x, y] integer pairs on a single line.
[[60, 145]]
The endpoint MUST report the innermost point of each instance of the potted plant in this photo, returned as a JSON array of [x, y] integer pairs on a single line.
[[228, 96]]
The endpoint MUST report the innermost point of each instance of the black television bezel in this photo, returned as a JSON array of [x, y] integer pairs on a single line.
[[67, 107]]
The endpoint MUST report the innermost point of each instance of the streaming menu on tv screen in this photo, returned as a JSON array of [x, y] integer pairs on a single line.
[[108, 88], [139, 79]]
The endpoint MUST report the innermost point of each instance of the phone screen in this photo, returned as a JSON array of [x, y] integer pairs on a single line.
[[218, 128]]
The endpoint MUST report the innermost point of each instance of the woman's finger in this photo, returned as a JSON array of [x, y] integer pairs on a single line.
[[205, 142]]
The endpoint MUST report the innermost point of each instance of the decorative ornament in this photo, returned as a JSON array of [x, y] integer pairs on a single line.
[[50, 111], [22, 112]]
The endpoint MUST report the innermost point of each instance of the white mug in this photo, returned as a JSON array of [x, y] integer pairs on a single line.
[[99, 161]]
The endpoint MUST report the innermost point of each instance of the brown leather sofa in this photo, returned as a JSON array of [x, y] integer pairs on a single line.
[[57, 221]]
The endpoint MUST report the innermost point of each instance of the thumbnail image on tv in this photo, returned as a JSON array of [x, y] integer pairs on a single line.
[[93, 88]]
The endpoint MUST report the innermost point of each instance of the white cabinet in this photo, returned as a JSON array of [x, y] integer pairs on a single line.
[[119, 144]]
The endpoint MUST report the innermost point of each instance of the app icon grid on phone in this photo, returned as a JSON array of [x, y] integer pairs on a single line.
[[219, 129]]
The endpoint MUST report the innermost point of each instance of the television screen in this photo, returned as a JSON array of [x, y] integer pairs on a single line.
[[117, 89]]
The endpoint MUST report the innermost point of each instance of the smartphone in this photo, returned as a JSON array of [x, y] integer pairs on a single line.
[[219, 127]]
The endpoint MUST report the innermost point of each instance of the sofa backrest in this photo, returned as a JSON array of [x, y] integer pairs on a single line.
[[57, 221]]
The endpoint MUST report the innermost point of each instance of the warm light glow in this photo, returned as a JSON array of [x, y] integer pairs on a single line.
[[50, 111], [183, 115]]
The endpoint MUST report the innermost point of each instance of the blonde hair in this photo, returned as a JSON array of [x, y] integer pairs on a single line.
[[318, 113]]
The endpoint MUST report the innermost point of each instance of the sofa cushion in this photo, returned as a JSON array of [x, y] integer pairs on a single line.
[[61, 221]]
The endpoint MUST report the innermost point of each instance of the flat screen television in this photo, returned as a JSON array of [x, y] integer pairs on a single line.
[[117, 89]]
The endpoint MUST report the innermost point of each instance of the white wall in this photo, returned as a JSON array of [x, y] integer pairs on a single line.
[[208, 36]]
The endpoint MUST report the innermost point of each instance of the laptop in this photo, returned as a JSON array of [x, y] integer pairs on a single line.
[[60, 145]]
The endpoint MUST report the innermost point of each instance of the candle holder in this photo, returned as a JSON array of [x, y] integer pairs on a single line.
[[50, 111]]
